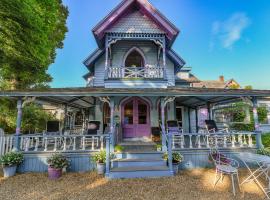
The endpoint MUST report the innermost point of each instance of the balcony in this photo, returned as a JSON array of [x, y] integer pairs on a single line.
[[148, 72]]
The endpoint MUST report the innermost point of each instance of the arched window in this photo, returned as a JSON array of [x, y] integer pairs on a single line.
[[134, 58]]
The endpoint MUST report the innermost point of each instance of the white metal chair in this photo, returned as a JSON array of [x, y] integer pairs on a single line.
[[225, 166]]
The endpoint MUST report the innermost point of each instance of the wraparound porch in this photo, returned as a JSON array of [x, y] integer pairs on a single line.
[[158, 106]]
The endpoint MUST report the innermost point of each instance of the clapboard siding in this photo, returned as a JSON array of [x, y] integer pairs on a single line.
[[36, 162], [81, 162], [119, 51], [99, 72], [200, 158]]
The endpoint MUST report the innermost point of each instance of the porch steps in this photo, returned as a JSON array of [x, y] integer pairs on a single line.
[[139, 165]]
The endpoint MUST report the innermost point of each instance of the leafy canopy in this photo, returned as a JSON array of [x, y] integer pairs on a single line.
[[30, 33]]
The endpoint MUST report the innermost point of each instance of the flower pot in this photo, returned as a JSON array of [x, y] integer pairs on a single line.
[[159, 149], [100, 168], [9, 171], [175, 168], [54, 173]]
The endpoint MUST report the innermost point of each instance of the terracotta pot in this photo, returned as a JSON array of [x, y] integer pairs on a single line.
[[54, 173], [101, 168], [9, 171]]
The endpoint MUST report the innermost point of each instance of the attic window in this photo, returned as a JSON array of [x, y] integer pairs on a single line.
[[134, 58]]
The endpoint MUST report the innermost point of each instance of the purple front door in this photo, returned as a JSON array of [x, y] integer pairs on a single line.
[[135, 118]]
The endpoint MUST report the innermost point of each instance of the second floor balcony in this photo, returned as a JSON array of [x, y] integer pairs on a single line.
[[147, 72]]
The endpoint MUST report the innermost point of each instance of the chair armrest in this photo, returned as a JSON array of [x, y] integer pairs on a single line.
[[232, 162]]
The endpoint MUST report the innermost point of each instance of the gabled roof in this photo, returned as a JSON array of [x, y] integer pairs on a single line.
[[144, 7]]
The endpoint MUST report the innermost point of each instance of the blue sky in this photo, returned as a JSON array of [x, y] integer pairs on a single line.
[[218, 37]]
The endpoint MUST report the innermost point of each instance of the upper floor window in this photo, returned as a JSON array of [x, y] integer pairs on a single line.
[[134, 58]]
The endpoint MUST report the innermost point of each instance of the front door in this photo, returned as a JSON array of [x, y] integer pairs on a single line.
[[135, 118]]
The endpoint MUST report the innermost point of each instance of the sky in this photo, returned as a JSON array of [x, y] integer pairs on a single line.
[[218, 37]]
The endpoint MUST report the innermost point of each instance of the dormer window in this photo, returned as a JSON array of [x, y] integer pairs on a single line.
[[134, 58]]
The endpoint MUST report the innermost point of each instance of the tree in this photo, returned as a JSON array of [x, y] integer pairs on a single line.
[[248, 87], [30, 33]]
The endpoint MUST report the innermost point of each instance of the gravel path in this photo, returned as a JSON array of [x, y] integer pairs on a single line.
[[188, 185]]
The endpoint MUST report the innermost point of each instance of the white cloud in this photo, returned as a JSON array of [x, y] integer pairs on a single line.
[[230, 31]]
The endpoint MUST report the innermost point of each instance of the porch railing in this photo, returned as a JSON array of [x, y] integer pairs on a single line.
[[6, 144], [148, 72], [221, 140]]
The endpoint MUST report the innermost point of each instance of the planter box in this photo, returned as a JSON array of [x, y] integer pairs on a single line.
[[101, 168], [54, 173], [9, 171]]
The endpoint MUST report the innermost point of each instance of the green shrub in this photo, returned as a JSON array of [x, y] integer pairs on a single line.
[[58, 161], [176, 157], [265, 151], [11, 159], [100, 157], [119, 148]]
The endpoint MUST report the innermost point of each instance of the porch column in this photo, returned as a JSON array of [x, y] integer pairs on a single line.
[[189, 120], [163, 129], [209, 111], [65, 118], [256, 123], [18, 124], [197, 121]]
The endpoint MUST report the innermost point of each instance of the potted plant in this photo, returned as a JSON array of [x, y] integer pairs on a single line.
[[159, 147], [100, 159], [56, 164], [119, 148], [10, 161], [177, 158]]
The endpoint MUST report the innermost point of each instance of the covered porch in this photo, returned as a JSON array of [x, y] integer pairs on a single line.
[[132, 115]]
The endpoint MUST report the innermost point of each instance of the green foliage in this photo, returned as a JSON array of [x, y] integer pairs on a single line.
[[248, 87], [262, 114], [176, 157], [11, 159], [34, 118], [266, 140], [119, 148], [30, 33], [265, 151], [58, 161], [100, 157], [234, 86]]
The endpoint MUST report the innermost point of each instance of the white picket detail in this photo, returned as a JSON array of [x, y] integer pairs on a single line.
[[6, 144]]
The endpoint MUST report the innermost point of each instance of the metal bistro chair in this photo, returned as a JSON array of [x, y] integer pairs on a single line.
[[216, 136], [92, 130], [177, 133], [225, 166]]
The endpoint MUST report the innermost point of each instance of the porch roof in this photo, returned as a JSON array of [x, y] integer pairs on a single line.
[[191, 97]]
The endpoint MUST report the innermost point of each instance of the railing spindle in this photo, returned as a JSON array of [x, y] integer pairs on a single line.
[[37, 143], [190, 142]]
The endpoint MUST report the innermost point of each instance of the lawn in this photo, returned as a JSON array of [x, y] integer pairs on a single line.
[[194, 184], [266, 140]]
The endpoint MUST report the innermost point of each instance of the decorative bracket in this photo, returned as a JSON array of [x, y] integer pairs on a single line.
[[105, 99], [168, 100]]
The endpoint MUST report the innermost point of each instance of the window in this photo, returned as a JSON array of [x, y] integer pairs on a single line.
[[134, 59]]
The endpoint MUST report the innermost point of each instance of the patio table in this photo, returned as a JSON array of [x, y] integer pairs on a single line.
[[258, 166]]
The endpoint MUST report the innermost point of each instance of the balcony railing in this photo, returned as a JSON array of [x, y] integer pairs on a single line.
[[148, 72]]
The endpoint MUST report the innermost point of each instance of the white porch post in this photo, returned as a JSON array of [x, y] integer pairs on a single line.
[[163, 129], [163, 104], [209, 111], [256, 123], [112, 104], [18, 124]]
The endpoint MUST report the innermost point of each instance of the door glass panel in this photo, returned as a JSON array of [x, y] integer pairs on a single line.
[[128, 113], [142, 113]]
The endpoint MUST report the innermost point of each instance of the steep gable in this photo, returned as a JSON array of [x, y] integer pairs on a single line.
[[135, 22]]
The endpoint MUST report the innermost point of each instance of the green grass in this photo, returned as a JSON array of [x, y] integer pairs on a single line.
[[266, 140]]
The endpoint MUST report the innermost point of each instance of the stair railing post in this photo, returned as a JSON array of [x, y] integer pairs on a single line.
[[107, 155], [170, 152]]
